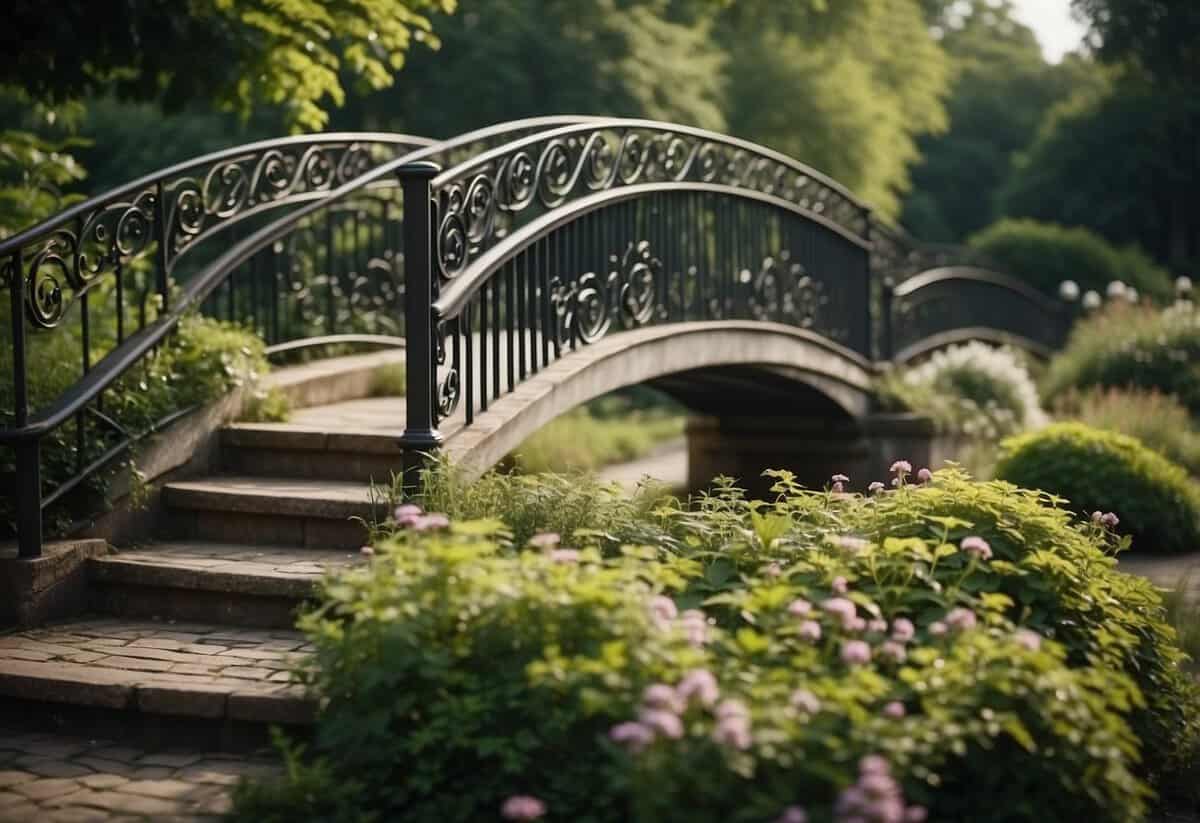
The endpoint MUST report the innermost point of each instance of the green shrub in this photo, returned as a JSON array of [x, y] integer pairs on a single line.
[[1044, 255], [1016, 680], [1157, 503], [200, 362], [973, 389], [1158, 420], [581, 441], [1126, 347]]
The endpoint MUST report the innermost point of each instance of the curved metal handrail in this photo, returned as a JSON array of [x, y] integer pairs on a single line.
[[549, 168], [973, 274], [128, 353]]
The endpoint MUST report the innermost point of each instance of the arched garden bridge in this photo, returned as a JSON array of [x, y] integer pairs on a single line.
[[521, 270]]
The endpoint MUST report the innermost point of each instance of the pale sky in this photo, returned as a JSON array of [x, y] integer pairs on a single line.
[[1051, 22]]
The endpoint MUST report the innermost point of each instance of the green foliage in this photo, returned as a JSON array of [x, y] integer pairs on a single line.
[[1158, 504], [462, 666], [295, 55], [1132, 348], [973, 389], [1112, 159], [1045, 255], [203, 360], [1158, 35], [1157, 420], [1183, 613], [1002, 87], [37, 169]]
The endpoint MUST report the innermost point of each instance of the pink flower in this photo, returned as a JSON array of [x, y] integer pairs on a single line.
[[699, 684], [1029, 639], [405, 514], [876, 487], [522, 807], [429, 522], [1097, 516], [903, 629], [773, 570], [810, 630], [734, 732], [894, 709], [840, 478], [838, 488], [893, 650], [877, 625], [545, 540], [633, 736], [732, 708], [858, 624], [841, 608], [937, 628], [840, 585], [961, 619], [874, 764], [661, 696], [916, 814], [662, 722], [564, 556], [901, 467], [793, 814], [855, 652], [924, 475], [852, 545], [1110, 520], [805, 701], [977, 547], [695, 626], [799, 607], [662, 610], [367, 550]]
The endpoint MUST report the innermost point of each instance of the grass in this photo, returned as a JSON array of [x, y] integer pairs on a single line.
[[1158, 420], [389, 381], [1183, 613], [582, 441]]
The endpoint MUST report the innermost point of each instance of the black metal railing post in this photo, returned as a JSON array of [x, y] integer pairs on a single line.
[[28, 463], [887, 344], [421, 437]]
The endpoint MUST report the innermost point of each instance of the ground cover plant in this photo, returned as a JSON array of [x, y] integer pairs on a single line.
[[940, 649], [1099, 471], [1132, 347]]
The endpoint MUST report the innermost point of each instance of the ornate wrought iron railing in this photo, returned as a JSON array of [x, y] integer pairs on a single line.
[[540, 237], [298, 239]]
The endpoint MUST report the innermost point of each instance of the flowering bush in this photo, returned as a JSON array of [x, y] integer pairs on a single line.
[[1156, 501], [1127, 347], [972, 389], [947, 650], [1157, 420]]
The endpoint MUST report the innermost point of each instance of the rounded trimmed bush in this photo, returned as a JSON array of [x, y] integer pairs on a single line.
[[1157, 420], [1045, 254], [1157, 503], [1126, 347]]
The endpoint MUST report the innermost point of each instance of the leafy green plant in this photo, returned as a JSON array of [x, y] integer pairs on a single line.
[[200, 362], [1045, 254], [1125, 347], [1155, 500], [973, 389], [955, 650], [1157, 420]]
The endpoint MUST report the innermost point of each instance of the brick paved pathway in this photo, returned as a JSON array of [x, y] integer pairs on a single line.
[[61, 779]]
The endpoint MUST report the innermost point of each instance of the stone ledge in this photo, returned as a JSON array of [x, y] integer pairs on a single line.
[[33, 590]]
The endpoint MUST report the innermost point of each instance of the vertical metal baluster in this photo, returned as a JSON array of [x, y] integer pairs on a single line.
[[330, 271], [484, 298], [495, 284], [522, 267], [162, 233], [544, 308], [510, 321], [252, 308], [119, 295], [28, 480], [467, 368], [539, 258], [80, 425], [276, 273]]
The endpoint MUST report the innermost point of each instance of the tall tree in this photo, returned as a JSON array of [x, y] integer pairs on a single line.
[[1002, 88]]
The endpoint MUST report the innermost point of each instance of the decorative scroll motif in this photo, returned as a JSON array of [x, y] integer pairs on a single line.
[[783, 291], [199, 203], [484, 203], [627, 295], [449, 389]]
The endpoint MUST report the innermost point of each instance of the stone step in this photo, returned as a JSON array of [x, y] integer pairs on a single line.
[[258, 586], [292, 450], [272, 511], [104, 674]]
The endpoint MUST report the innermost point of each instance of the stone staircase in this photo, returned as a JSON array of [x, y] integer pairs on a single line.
[[190, 636]]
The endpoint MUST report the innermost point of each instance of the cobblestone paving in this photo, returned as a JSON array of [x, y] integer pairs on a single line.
[[154, 652], [60, 779]]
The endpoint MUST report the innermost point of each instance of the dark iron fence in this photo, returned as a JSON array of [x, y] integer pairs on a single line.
[[540, 237]]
